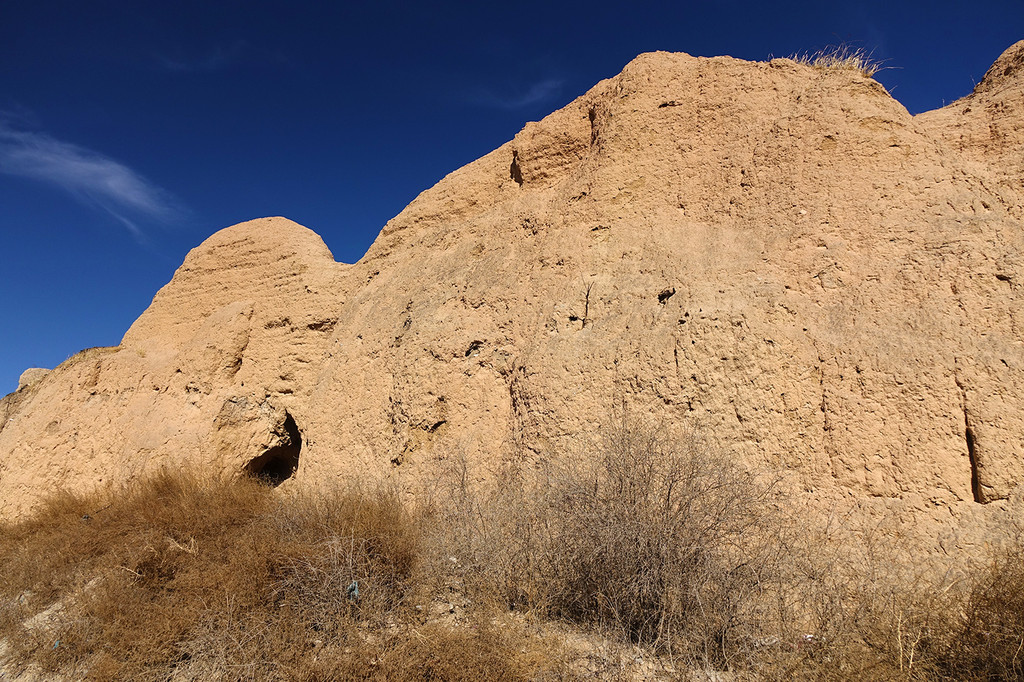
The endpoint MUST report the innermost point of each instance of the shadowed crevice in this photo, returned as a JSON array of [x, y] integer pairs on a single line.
[[975, 483]]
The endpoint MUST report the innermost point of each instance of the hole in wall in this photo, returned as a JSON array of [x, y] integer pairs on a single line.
[[278, 463], [514, 171]]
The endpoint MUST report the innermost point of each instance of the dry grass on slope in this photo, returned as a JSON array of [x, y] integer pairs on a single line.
[[660, 543], [191, 579]]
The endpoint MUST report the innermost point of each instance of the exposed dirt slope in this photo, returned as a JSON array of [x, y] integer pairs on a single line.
[[778, 253]]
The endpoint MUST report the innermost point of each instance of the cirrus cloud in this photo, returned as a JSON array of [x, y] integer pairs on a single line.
[[89, 176], [536, 93]]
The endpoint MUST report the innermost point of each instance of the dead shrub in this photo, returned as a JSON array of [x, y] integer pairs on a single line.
[[657, 538], [483, 539], [662, 540], [988, 643]]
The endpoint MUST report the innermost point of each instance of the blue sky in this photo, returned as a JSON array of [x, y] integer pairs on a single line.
[[131, 131]]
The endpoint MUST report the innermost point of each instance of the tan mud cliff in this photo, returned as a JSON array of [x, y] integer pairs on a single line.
[[777, 252]]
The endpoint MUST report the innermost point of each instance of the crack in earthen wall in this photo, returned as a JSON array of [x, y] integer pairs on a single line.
[[971, 443], [827, 440], [586, 304]]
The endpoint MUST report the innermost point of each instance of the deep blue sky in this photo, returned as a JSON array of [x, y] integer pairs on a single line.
[[131, 131]]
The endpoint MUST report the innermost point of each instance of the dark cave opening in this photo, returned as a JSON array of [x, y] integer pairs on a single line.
[[514, 171], [278, 463]]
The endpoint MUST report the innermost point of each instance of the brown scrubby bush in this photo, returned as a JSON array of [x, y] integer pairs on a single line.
[[877, 615], [663, 541], [852, 604], [660, 539], [191, 578], [666, 542], [988, 640]]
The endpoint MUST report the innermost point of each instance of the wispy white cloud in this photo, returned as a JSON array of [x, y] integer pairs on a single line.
[[89, 176], [537, 93]]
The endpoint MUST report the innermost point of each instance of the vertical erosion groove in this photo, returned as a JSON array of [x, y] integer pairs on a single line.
[[975, 483], [972, 454]]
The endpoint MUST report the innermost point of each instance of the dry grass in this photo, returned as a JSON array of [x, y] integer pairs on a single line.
[[841, 57], [192, 579], [656, 541], [852, 604]]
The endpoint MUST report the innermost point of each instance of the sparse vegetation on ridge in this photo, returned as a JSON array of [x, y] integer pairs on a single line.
[[841, 57], [661, 543]]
